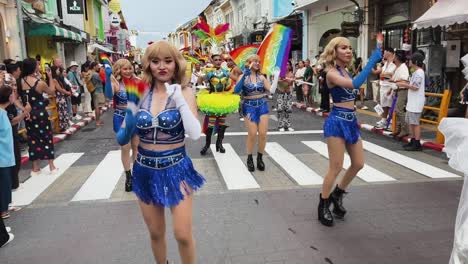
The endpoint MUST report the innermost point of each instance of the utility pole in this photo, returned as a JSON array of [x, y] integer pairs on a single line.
[[19, 9]]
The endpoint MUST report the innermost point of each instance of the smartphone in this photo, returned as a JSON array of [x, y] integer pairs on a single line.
[[2, 67], [47, 66]]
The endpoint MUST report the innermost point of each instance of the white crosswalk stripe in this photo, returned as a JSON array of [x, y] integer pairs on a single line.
[[228, 172], [367, 173], [302, 174], [103, 180], [235, 174], [33, 187], [410, 163]]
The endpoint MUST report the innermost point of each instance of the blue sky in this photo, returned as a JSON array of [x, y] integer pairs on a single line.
[[159, 16]]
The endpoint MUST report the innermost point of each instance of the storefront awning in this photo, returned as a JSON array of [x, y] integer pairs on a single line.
[[53, 31], [444, 13]]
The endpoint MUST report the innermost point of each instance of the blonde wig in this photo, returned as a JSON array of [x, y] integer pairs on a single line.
[[328, 55], [118, 65], [254, 57], [164, 49]]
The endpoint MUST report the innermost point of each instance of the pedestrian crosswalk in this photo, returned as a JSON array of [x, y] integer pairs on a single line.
[[304, 169]]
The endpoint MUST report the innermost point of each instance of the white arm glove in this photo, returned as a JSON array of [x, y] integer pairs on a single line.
[[191, 124]]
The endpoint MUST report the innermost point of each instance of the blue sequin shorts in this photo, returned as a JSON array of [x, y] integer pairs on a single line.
[[119, 117], [253, 109], [164, 177], [342, 123]]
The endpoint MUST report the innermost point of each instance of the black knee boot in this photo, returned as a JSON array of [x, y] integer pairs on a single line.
[[336, 198], [128, 181], [209, 132], [250, 163], [219, 141], [324, 215], [260, 164]]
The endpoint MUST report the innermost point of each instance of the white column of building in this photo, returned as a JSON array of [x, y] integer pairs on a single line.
[[305, 33]]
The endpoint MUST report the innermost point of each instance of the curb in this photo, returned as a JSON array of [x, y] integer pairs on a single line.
[[371, 128], [62, 136]]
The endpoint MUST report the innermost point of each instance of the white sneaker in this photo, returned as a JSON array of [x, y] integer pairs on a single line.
[[35, 173], [380, 123], [8, 229], [281, 129], [241, 119], [9, 240], [70, 123], [78, 117], [364, 107], [290, 129]]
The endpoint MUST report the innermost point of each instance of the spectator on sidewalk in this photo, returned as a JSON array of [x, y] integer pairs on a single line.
[[357, 68], [7, 160], [88, 106], [385, 73], [77, 88], [98, 94], [39, 128], [299, 76], [284, 100], [401, 74], [61, 94], [323, 89], [306, 88], [416, 100]]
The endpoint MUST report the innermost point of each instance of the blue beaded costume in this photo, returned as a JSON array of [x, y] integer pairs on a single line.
[[342, 122], [158, 176], [252, 109]]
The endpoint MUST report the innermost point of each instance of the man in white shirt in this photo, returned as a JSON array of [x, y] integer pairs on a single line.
[[401, 74], [386, 72], [416, 100]]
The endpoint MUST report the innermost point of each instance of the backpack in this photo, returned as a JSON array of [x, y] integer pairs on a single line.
[[89, 84]]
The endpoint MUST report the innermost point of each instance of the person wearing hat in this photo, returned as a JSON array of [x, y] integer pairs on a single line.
[[77, 88], [401, 74], [416, 100]]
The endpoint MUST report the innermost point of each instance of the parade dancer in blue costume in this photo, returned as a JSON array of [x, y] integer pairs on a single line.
[[341, 127], [253, 86], [163, 174], [122, 69]]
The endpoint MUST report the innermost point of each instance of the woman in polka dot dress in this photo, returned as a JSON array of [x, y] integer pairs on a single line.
[[38, 126]]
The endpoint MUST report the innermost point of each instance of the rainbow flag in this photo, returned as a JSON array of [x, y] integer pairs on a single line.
[[105, 59], [274, 50], [241, 54], [135, 88]]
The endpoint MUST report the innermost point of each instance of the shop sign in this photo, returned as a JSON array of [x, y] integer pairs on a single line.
[[257, 37], [75, 6], [115, 20], [350, 29], [37, 5]]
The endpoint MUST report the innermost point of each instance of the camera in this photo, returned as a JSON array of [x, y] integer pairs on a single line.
[[293, 3]]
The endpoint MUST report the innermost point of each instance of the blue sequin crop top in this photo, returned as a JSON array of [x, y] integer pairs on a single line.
[[340, 94], [253, 88], [164, 128], [121, 96]]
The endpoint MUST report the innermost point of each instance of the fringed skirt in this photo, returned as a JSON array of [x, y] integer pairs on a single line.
[[342, 123], [164, 177], [119, 117], [217, 103], [253, 109]]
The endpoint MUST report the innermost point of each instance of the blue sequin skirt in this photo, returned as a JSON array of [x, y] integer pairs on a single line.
[[342, 123], [160, 176], [119, 117], [253, 109]]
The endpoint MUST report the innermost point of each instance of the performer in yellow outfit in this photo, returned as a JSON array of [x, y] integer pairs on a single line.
[[216, 103]]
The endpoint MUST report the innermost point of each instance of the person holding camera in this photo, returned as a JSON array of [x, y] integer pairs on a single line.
[[77, 88]]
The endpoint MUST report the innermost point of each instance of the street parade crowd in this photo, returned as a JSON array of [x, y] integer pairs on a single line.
[[157, 106]]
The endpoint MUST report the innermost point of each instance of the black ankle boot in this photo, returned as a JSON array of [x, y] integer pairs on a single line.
[[410, 143], [128, 181], [336, 197], [209, 131], [324, 215], [219, 141], [416, 146], [250, 163], [260, 164]]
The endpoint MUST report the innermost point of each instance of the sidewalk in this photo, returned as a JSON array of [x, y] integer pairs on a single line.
[[72, 130], [368, 118]]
